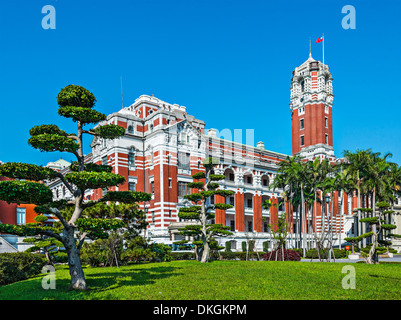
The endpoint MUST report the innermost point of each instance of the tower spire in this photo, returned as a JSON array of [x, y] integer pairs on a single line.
[[310, 48]]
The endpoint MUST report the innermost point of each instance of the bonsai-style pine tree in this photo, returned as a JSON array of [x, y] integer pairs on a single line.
[[204, 232], [379, 229], [77, 104], [41, 243]]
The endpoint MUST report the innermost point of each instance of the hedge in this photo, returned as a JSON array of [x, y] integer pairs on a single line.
[[20, 266]]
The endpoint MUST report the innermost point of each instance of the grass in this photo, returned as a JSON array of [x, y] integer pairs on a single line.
[[218, 280]]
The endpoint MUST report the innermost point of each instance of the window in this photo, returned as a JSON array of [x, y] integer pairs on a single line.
[[170, 183], [131, 158], [169, 213], [232, 225], [130, 129], [152, 185], [21, 216], [183, 160], [183, 189], [250, 227], [249, 203], [131, 186], [265, 181], [249, 179], [325, 122], [232, 201], [302, 123], [302, 83], [302, 140], [326, 138], [231, 177], [265, 226], [104, 161]]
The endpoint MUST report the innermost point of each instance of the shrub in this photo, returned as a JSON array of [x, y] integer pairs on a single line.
[[182, 255], [338, 253], [60, 257], [19, 266], [138, 254], [94, 254], [228, 255], [288, 255]]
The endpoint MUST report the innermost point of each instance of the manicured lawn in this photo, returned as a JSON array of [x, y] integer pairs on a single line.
[[219, 280]]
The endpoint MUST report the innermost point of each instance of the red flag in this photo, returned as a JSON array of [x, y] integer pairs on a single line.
[[319, 40]]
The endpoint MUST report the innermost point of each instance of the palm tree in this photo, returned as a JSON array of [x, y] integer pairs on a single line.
[[357, 164], [344, 184]]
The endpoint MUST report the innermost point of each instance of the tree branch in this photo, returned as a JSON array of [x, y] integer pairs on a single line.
[[81, 240], [65, 182], [92, 203], [58, 214]]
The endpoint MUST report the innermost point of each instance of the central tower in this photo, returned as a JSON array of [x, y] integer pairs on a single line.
[[311, 110]]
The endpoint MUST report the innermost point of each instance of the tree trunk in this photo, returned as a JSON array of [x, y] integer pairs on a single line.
[[206, 252], [78, 281]]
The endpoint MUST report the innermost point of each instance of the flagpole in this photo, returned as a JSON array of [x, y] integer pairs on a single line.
[[324, 40]]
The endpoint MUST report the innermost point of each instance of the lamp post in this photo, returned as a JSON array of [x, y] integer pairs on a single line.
[[327, 198], [340, 208]]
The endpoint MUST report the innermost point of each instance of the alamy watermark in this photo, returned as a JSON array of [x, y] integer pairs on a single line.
[[49, 20], [349, 280], [49, 280], [349, 20]]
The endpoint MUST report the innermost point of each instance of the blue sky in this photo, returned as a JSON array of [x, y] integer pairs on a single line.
[[228, 62]]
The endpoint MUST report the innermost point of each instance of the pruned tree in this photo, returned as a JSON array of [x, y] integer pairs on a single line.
[[204, 232], [77, 104], [49, 246]]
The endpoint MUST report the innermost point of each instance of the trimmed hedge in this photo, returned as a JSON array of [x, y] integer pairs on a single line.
[[182, 255], [337, 253], [19, 266]]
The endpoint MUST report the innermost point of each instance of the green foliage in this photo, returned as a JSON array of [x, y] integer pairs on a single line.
[[109, 131], [193, 197], [370, 220], [91, 167], [182, 255], [383, 205], [73, 95], [388, 226], [47, 129], [93, 180], [127, 196], [14, 191], [95, 254], [222, 206], [53, 142], [18, 170], [199, 175], [359, 238], [19, 266], [82, 114], [224, 193], [97, 228], [217, 177], [312, 253], [195, 185]]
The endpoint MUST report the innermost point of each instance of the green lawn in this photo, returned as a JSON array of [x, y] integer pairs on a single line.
[[219, 280]]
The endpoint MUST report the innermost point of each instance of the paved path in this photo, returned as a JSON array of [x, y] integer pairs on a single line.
[[396, 258]]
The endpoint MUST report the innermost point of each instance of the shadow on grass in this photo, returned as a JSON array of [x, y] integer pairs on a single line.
[[101, 283]]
